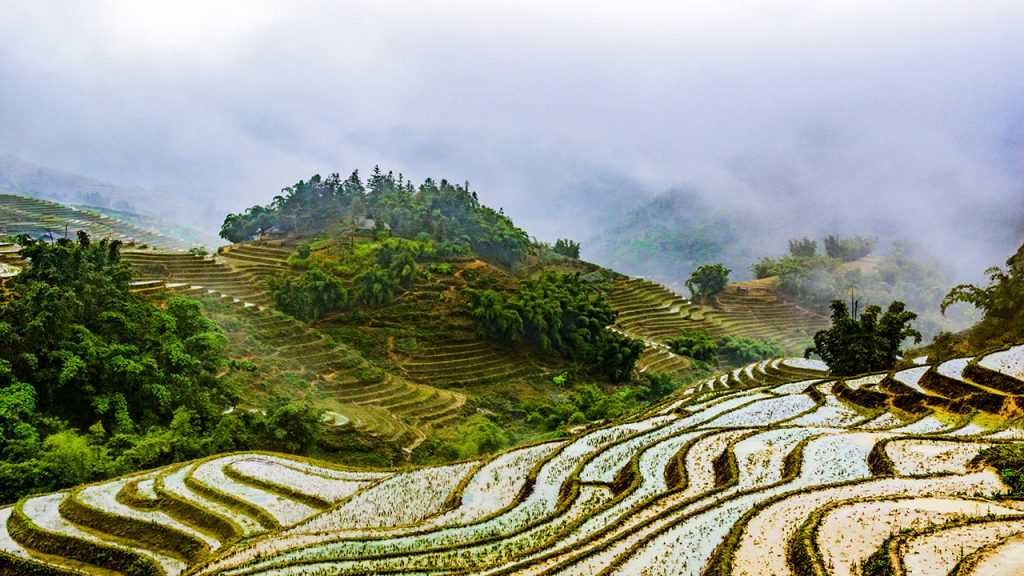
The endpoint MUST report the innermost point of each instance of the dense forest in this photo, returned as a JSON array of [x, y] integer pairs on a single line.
[[450, 214]]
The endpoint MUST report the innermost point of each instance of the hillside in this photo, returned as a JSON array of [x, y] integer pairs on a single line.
[[43, 218], [775, 469], [666, 238], [751, 309]]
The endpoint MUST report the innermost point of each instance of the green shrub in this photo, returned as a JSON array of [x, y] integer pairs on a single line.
[[370, 374], [695, 344], [567, 248]]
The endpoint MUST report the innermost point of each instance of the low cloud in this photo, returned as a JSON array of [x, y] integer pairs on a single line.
[[858, 115]]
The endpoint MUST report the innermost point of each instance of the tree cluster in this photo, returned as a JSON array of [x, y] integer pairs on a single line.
[[449, 213], [560, 314], [868, 343], [734, 350], [567, 248], [707, 281], [848, 249]]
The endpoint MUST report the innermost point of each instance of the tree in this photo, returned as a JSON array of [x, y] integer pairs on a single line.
[[870, 343], [567, 248], [376, 286], [803, 248], [707, 281], [848, 249]]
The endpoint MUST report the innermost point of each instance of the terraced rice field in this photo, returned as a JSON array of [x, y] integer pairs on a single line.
[[376, 402], [777, 469], [651, 311], [23, 215]]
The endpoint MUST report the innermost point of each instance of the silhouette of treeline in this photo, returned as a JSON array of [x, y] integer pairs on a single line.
[[447, 213]]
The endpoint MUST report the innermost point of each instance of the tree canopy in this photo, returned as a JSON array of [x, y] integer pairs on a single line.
[[870, 343], [449, 213], [79, 352], [561, 314], [707, 281]]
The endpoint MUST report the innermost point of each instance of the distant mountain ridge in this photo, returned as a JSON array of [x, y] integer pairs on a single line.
[[667, 237], [24, 178]]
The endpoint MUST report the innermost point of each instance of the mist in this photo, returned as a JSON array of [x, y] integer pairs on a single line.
[[891, 119]]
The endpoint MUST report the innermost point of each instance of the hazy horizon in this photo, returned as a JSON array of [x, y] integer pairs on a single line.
[[847, 116]]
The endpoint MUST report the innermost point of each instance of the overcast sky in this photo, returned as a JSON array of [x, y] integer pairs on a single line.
[[908, 112]]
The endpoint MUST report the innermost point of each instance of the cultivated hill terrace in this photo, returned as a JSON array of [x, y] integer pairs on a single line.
[[774, 469], [43, 218]]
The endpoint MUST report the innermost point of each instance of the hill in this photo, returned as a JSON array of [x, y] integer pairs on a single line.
[[43, 218], [668, 237], [127, 204], [27, 179], [776, 469]]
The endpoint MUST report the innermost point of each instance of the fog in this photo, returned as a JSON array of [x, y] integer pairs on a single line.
[[894, 119]]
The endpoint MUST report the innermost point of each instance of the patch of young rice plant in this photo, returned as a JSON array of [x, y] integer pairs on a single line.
[[1011, 432], [44, 511], [1003, 559], [765, 412], [590, 499], [267, 472], [404, 499], [805, 364], [793, 387], [869, 380], [759, 458], [103, 497], [763, 543], [1009, 362], [750, 394], [884, 421], [930, 424], [174, 483], [916, 457], [604, 467], [496, 485], [541, 503], [911, 378], [834, 412], [851, 533], [686, 547], [333, 473], [286, 511], [936, 553], [145, 489]]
